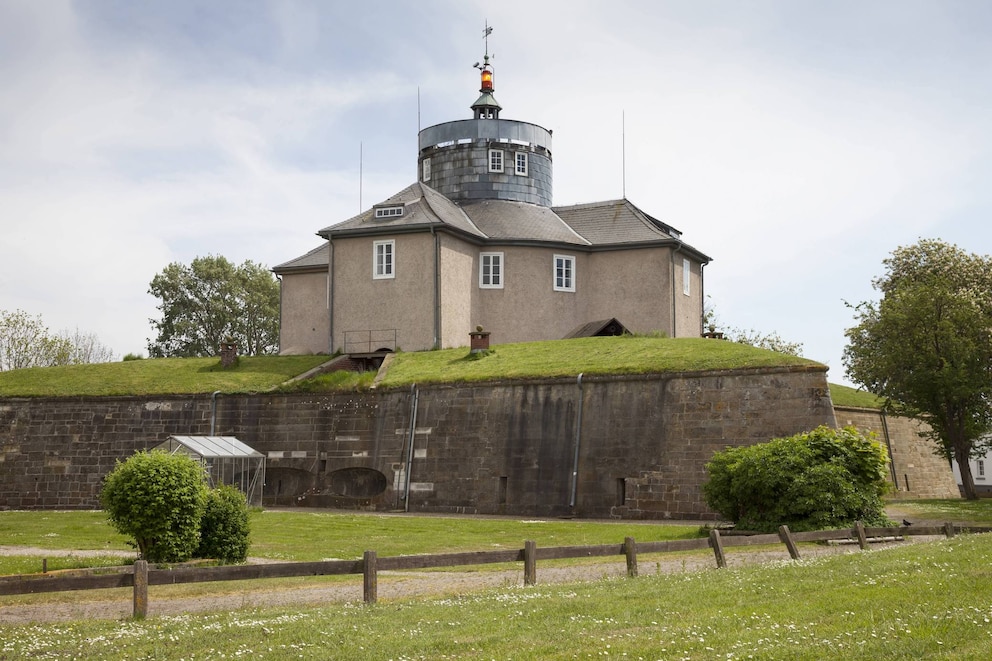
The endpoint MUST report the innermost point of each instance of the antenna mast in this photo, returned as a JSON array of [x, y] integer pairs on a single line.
[[360, 155], [623, 154]]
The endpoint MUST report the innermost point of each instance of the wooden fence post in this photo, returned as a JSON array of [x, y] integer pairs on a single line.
[[140, 601], [859, 530], [949, 529], [786, 537], [630, 550], [717, 544], [530, 562], [370, 575]]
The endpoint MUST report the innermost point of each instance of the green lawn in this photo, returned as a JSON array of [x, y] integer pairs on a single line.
[[589, 356], [847, 396], [307, 535], [162, 376], [926, 600], [967, 511]]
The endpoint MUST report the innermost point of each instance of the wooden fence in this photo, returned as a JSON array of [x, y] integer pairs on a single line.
[[140, 576]]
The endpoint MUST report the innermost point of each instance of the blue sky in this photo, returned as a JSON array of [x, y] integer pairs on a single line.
[[797, 143]]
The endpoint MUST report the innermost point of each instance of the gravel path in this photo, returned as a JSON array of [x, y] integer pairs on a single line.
[[392, 585]]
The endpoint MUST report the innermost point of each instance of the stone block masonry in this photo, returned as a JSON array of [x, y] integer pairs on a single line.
[[624, 447]]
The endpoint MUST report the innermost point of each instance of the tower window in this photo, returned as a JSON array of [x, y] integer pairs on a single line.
[[382, 259], [686, 272], [520, 163], [491, 270], [495, 160], [425, 174], [564, 273]]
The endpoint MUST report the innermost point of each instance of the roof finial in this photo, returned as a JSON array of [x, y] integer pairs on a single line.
[[486, 107]]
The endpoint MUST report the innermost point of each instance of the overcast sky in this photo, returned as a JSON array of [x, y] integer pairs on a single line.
[[796, 143]]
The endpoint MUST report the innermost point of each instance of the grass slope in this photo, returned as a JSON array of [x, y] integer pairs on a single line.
[[589, 356], [161, 376]]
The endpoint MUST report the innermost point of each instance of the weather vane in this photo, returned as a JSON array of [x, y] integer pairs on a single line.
[[485, 35]]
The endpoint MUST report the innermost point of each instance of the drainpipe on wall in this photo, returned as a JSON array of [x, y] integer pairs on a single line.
[[414, 400], [281, 315], [578, 438], [213, 412], [437, 288], [888, 445], [674, 291], [702, 298], [330, 298]]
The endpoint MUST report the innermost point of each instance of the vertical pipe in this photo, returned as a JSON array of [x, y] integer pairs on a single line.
[[213, 412], [330, 297], [578, 439], [415, 397]]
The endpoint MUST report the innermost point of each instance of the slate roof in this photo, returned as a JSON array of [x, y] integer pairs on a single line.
[[422, 207], [315, 259], [615, 222], [609, 224], [520, 221]]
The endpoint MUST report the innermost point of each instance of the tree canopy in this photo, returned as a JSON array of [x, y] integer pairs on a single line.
[[25, 341], [213, 301], [926, 346]]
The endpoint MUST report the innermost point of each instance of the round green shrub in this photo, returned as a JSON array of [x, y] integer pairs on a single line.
[[224, 527], [826, 478], [157, 499]]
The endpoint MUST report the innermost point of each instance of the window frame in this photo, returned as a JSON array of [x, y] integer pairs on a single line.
[[494, 282], [425, 169], [518, 158], [387, 248], [392, 211], [686, 277], [980, 466], [567, 280], [494, 156]]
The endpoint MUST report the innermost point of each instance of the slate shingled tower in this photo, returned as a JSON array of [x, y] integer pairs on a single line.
[[486, 157]]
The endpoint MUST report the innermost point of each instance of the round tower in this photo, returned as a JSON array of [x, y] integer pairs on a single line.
[[487, 158]]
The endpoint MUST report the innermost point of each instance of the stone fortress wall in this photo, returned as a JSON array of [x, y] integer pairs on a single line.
[[624, 447]]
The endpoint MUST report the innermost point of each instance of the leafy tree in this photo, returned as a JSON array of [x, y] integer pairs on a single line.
[[25, 341], [826, 478], [771, 341], [157, 499], [926, 346], [211, 301], [224, 528]]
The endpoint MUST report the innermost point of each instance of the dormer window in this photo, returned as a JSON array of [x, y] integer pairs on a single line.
[[388, 212]]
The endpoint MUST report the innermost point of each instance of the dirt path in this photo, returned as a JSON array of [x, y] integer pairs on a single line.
[[391, 585]]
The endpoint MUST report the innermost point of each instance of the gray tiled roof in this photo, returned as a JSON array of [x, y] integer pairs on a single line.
[[615, 222], [422, 206], [316, 258], [503, 220]]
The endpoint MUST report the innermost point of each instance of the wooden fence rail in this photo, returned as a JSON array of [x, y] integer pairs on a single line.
[[140, 577]]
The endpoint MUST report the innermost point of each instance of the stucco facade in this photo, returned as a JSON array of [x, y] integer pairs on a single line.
[[476, 242]]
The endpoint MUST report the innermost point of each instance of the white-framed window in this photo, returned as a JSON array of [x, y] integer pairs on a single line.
[[564, 273], [388, 212], [520, 163], [495, 160], [425, 174], [383, 254], [491, 270], [981, 469], [686, 272]]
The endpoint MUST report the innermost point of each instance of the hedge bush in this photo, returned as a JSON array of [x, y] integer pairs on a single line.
[[826, 478], [224, 527], [157, 499]]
